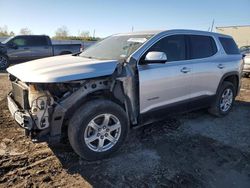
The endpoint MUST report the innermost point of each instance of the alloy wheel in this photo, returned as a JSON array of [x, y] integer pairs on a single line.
[[102, 132]]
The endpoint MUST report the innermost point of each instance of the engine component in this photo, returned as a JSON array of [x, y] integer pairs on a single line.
[[40, 101]]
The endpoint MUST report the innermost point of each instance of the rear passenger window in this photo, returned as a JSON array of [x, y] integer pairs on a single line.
[[229, 45], [173, 46], [37, 41], [201, 46]]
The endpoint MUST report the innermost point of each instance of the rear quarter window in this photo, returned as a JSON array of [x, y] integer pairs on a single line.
[[229, 45], [37, 41]]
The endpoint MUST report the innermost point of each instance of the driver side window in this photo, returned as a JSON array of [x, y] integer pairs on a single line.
[[19, 42], [173, 46]]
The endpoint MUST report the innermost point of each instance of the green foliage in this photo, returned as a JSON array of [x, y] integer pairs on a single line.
[[62, 33], [76, 38]]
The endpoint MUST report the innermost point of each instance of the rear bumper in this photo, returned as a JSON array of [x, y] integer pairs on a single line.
[[22, 117]]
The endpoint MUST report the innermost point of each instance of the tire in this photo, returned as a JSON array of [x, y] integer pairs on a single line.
[[217, 108], [4, 62], [81, 129], [65, 53]]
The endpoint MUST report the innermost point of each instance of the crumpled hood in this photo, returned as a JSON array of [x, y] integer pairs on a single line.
[[62, 69]]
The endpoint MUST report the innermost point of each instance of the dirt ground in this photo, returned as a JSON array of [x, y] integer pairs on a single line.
[[191, 150]]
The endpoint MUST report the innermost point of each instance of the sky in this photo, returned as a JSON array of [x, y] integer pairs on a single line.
[[117, 16]]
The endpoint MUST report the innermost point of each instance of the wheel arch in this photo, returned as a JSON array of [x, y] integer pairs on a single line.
[[232, 77], [65, 52], [99, 94]]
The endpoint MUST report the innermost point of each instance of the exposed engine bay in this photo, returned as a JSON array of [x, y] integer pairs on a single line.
[[47, 106]]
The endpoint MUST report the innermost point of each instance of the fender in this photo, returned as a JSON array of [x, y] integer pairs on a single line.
[[62, 108], [233, 73], [3, 51]]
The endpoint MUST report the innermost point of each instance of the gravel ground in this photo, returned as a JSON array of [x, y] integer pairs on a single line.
[[191, 150]]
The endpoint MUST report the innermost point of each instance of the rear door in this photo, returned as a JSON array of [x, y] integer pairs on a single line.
[[39, 47], [165, 85], [207, 69]]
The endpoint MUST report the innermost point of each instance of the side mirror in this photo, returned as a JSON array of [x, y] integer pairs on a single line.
[[156, 57], [12, 45]]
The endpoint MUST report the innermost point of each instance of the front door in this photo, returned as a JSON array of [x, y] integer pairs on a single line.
[[19, 49], [168, 84]]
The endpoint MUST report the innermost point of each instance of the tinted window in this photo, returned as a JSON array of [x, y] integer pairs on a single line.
[[201, 46], [173, 46], [37, 41], [229, 45]]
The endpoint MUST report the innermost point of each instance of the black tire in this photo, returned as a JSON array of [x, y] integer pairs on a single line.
[[4, 62], [215, 108], [65, 53], [80, 121]]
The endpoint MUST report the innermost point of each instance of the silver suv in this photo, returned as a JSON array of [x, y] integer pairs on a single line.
[[124, 81]]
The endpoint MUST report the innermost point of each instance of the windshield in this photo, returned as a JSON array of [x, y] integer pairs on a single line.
[[115, 47], [7, 40]]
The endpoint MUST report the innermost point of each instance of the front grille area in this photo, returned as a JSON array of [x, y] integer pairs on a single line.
[[20, 94]]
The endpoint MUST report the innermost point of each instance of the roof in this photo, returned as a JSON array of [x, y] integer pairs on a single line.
[[188, 31]]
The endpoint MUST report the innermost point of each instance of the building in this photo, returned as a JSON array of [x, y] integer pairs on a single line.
[[241, 34]]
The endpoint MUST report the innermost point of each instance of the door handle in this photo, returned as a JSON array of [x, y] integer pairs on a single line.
[[220, 66], [26, 48], [185, 70]]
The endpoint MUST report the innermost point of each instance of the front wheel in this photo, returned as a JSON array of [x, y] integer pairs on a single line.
[[4, 62], [224, 100], [97, 129]]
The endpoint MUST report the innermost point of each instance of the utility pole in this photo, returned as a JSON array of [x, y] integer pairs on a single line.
[[132, 29], [212, 27]]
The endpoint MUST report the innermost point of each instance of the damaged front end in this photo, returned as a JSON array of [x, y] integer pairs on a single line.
[[43, 109], [30, 106]]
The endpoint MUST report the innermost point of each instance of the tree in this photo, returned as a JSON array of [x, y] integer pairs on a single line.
[[25, 31], [11, 33], [84, 34], [4, 31], [62, 32]]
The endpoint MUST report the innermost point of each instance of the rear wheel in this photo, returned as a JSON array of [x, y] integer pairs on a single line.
[[97, 129], [4, 62], [66, 52], [224, 100]]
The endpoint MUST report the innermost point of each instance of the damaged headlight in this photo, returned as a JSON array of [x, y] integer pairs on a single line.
[[40, 101]]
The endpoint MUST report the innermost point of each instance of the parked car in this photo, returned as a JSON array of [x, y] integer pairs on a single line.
[[245, 50], [122, 82], [29, 47]]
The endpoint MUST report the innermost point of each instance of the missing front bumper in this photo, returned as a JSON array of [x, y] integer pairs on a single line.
[[23, 118]]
